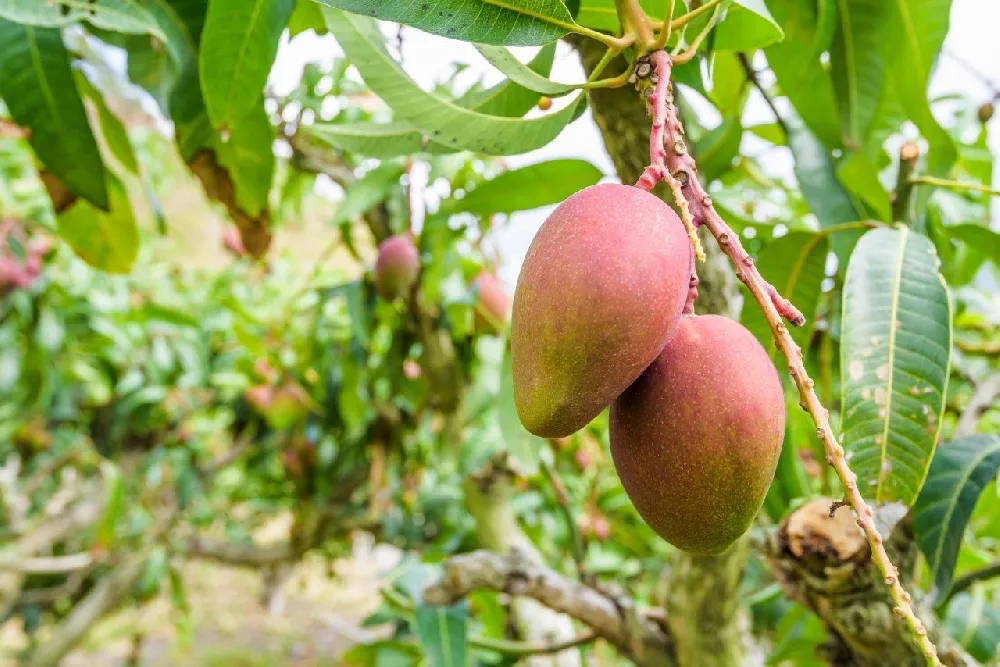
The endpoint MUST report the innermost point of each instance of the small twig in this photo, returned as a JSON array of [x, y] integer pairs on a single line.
[[690, 52], [969, 578], [954, 185], [982, 400], [971, 69], [49, 565], [682, 166], [755, 80], [986, 349], [903, 194], [562, 498], [664, 28]]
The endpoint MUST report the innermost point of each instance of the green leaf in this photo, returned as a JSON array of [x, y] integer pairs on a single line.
[[108, 241], [536, 185], [801, 76], [368, 191], [729, 83], [717, 149], [442, 634], [748, 25], [238, 46], [114, 505], [770, 132], [895, 358], [518, 72], [975, 624], [959, 473], [112, 130], [912, 32], [36, 83], [510, 99], [796, 265], [383, 653], [859, 175], [499, 22], [444, 121], [857, 66], [307, 16], [976, 236], [248, 156], [126, 16], [521, 444]]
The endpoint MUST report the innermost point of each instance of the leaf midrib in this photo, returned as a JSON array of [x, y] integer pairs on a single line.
[[893, 309]]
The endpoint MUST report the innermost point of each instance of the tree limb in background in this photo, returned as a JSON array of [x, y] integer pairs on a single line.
[[614, 620]]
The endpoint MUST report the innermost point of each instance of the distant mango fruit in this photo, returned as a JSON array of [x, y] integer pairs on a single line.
[[492, 303], [396, 267], [601, 289]]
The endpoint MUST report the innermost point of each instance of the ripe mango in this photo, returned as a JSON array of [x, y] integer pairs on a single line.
[[396, 266], [492, 303], [696, 439], [600, 291]]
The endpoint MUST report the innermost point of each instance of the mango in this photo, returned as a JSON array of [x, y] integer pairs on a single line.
[[396, 266], [696, 439], [492, 303], [600, 291]]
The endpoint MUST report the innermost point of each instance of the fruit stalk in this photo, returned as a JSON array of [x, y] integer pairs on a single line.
[[671, 160]]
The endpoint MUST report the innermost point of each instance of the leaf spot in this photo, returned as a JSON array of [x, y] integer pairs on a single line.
[[856, 369]]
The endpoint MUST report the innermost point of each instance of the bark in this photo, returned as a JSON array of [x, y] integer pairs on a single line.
[[824, 562], [702, 601], [488, 496]]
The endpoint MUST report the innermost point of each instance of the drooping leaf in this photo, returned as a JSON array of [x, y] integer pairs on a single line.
[[801, 76], [982, 238], [521, 444], [796, 265], [912, 33], [444, 121], [248, 156], [959, 473], [895, 356], [857, 65], [112, 130], [126, 16], [368, 191], [114, 505], [717, 148], [974, 623], [499, 22], [238, 46], [748, 25], [108, 241], [36, 83], [307, 16], [442, 633], [859, 175], [536, 185], [520, 73]]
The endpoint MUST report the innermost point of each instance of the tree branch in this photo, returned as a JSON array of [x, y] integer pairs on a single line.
[[982, 400], [681, 167], [615, 621], [903, 194]]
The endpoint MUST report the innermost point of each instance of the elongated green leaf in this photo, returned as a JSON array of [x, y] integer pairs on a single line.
[[307, 16], [748, 25], [859, 175], [238, 46], [442, 633], [717, 149], [974, 623], [520, 73], [499, 22], [368, 191], [729, 83], [770, 132], [980, 237], [36, 83], [857, 65], [801, 76], [127, 16], [108, 241], [912, 34], [536, 185], [796, 265], [445, 122], [959, 473], [248, 156], [508, 98], [521, 444], [112, 130], [895, 358], [114, 504]]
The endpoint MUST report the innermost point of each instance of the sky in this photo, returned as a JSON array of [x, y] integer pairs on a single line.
[[971, 44]]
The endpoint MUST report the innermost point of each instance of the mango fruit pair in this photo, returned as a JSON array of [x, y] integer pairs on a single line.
[[697, 409]]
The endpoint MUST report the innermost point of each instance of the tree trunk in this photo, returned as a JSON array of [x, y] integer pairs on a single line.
[[702, 601]]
